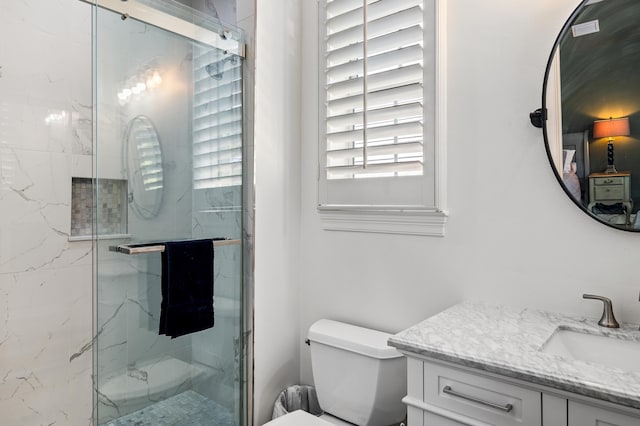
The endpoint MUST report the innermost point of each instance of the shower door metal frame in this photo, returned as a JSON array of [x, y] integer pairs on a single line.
[[147, 14]]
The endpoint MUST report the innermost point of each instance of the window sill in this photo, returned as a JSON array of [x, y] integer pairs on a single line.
[[399, 221]]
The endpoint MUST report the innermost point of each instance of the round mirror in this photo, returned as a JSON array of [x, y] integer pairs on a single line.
[[591, 102], [143, 162]]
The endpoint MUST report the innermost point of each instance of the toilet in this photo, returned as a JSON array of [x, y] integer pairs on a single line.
[[359, 379]]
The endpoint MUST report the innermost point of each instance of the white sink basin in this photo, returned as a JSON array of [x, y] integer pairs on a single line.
[[607, 351]]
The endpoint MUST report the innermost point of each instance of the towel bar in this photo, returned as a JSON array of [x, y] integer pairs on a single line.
[[159, 247]]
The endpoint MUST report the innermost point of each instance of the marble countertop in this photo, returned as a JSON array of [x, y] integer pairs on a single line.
[[507, 341]]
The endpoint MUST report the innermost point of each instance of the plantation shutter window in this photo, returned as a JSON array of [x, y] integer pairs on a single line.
[[374, 88], [378, 105], [217, 119]]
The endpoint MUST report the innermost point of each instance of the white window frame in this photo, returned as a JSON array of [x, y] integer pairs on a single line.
[[424, 218]]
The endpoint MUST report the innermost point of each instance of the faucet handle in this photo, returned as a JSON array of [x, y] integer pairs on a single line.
[[607, 319]]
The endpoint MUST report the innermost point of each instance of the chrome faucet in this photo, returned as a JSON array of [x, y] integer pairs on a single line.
[[607, 319]]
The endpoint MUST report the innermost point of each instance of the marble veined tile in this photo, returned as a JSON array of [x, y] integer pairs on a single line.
[[244, 9], [30, 243], [69, 403], [42, 34], [35, 198], [37, 19], [82, 129], [46, 125], [45, 77], [40, 178], [45, 374]]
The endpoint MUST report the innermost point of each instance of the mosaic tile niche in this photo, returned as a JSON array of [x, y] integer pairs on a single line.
[[111, 207]]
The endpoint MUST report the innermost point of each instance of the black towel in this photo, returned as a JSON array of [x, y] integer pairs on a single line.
[[187, 287]]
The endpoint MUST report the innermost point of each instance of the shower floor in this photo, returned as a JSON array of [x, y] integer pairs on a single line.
[[187, 408]]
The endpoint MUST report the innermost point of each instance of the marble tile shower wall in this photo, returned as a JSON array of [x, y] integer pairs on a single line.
[[45, 280]]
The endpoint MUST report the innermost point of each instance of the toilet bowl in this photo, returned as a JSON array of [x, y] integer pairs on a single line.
[[302, 418], [359, 379]]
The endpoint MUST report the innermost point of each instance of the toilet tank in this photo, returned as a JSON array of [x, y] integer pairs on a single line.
[[358, 377]]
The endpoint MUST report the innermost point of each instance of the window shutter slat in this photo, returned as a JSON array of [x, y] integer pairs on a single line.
[[377, 63], [398, 112], [217, 144], [345, 21], [403, 19], [335, 8], [214, 131], [221, 157], [377, 99], [348, 172], [344, 38], [375, 46], [394, 149], [217, 118], [381, 8], [224, 170], [204, 183], [394, 77], [351, 17], [381, 132], [202, 109]]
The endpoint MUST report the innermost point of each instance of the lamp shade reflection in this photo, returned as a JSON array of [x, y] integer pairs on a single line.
[[611, 127], [608, 129]]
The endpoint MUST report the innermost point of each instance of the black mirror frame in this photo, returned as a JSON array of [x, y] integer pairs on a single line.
[[538, 119]]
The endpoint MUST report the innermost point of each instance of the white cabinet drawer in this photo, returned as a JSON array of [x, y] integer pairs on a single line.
[[481, 398], [587, 415], [609, 181], [613, 192]]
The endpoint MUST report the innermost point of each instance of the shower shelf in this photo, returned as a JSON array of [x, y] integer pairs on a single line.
[[159, 247]]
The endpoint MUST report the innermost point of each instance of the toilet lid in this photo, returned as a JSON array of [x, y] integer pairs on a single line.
[[298, 418]]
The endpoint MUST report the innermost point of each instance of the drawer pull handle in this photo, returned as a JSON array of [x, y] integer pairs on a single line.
[[506, 408]]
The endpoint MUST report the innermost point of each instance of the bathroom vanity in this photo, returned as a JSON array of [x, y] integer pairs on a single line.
[[480, 364]]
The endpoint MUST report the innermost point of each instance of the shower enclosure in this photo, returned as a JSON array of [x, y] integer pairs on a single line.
[[167, 166], [121, 122]]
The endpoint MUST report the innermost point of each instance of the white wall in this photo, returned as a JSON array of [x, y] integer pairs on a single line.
[[513, 236], [277, 185]]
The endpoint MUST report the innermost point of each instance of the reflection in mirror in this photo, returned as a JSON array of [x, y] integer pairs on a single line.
[[143, 162], [592, 100]]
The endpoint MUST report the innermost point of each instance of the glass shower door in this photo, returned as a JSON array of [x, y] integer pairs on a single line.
[[167, 167]]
